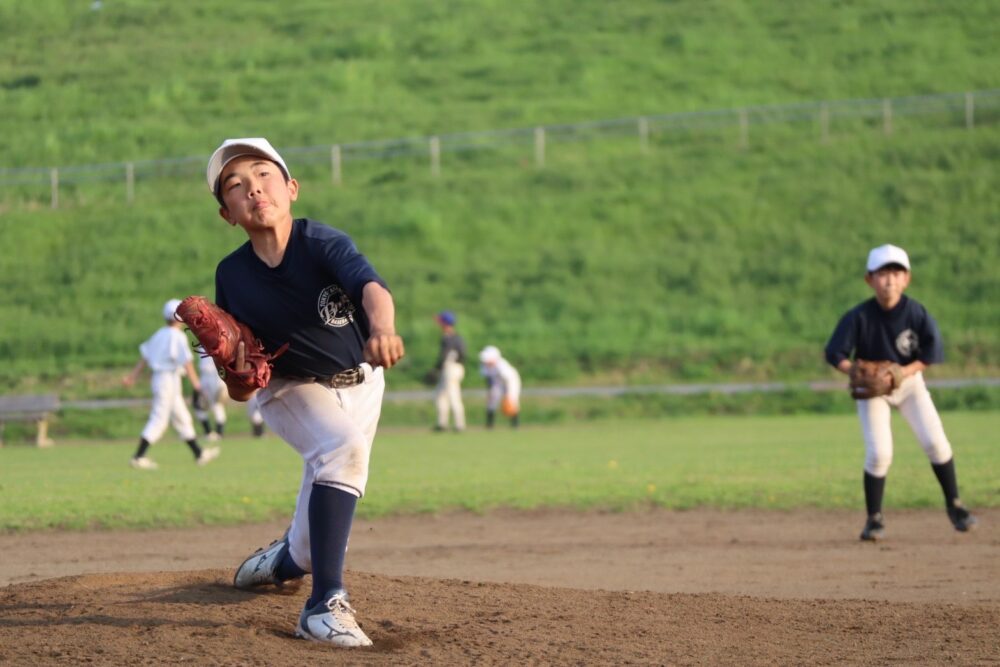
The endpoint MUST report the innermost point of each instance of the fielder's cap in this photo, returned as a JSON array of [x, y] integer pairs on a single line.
[[885, 255], [489, 355], [169, 308], [447, 317], [234, 148]]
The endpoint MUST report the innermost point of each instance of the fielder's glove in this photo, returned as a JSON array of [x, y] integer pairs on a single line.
[[220, 334], [869, 379]]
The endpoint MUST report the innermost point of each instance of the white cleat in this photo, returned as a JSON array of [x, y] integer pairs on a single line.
[[209, 454], [260, 569], [213, 437], [143, 463], [332, 622]]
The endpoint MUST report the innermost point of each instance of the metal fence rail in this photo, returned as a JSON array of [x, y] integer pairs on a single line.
[[960, 109]]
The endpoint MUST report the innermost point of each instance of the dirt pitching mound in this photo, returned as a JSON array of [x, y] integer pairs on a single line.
[[544, 587], [198, 618]]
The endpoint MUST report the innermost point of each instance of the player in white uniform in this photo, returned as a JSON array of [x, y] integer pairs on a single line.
[[168, 356], [210, 400], [256, 418], [504, 386]]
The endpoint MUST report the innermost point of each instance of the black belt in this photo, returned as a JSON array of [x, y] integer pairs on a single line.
[[342, 380]]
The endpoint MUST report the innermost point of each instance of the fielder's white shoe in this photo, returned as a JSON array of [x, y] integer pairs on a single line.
[[213, 437], [144, 463], [209, 454], [332, 622], [260, 569]]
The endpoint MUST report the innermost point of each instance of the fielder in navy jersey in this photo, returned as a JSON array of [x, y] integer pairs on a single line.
[[893, 327], [301, 283]]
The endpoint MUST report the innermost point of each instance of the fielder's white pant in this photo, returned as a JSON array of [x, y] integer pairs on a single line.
[[448, 395], [915, 404], [214, 394], [332, 430], [253, 410], [168, 407]]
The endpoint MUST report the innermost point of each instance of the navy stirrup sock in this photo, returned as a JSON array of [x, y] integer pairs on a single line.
[[945, 473], [874, 490], [331, 512]]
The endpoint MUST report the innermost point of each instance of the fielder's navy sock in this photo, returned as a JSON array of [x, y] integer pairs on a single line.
[[220, 427], [491, 415], [331, 512], [874, 490], [206, 426], [143, 446], [515, 420], [195, 449], [945, 473]]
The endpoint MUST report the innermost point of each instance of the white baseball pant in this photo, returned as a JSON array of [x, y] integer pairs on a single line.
[[448, 395], [168, 407], [213, 393], [332, 430], [915, 404]]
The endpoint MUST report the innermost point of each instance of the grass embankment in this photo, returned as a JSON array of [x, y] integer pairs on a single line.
[[724, 462], [696, 261]]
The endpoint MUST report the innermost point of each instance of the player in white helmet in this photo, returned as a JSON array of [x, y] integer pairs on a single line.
[[503, 386], [169, 357]]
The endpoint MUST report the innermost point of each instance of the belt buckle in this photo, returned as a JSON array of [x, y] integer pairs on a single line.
[[349, 378]]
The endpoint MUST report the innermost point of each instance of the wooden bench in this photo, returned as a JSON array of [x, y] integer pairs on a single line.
[[38, 409]]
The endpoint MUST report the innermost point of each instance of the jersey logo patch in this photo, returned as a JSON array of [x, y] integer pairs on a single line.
[[907, 343], [335, 307]]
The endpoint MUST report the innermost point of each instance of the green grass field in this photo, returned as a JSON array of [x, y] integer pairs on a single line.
[[696, 261], [723, 462]]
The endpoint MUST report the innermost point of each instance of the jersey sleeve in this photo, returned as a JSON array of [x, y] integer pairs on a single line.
[[351, 269], [843, 341], [931, 345]]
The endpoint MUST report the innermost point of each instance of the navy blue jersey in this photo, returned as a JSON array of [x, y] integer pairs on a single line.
[[312, 300], [904, 334], [451, 343]]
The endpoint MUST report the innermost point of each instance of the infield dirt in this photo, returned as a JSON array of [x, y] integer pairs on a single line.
[[546, 587]]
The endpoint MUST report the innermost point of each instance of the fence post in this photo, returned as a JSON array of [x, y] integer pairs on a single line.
[[54, 183], [970, 110], [824, 123], [539, 146], [744, 128], [435, 145], [129, 182], [335, 163], [887, 116], [644, 135]]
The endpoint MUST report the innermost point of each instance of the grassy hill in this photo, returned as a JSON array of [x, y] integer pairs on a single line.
[[695, 260]]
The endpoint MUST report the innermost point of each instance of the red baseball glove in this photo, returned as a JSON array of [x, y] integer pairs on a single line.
[[219, 335], [874, 378]]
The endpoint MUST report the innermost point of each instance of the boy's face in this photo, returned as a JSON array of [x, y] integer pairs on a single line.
[[888, 283], [255, 194]]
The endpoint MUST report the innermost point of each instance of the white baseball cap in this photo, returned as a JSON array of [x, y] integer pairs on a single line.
[[169, 308], [887, 254], [234, 148], [489, 355]]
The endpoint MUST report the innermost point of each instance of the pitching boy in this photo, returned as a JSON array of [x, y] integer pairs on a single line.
[[301, 283], [893, 327], [168, 355]]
